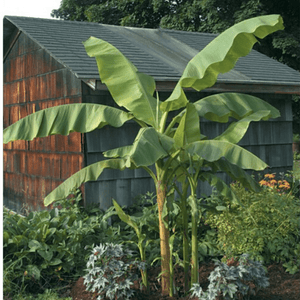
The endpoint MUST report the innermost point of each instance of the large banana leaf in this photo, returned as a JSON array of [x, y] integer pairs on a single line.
[[220, 185], [188, 130], [148, 147], [220, 56], [236, 130], [212, 151], [236, 173], [63, 119], [128, 87], [89, 173], [220, 107]]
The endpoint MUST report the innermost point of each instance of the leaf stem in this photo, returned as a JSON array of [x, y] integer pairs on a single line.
[[171, 125], [149, 171], [141, 123]]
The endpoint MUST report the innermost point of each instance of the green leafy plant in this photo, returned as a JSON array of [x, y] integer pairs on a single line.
[[238, 277], [47, 247], [296, 156], [266, 225], [296, 138], [48, 295], [110, 272], [180, 152]]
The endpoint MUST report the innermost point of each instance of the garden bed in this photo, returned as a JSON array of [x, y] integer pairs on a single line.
[[283, 286], [36, 259]]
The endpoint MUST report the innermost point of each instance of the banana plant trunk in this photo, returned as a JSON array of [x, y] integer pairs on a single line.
[[186, 260], [194, 241], [194, 261], [164, 239]]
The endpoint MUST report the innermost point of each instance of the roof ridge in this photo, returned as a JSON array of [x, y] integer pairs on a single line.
[[77, 22], [191, 32], [111, 25], [55, 20]]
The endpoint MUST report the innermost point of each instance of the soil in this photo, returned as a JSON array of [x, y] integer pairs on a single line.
[[283, 286]]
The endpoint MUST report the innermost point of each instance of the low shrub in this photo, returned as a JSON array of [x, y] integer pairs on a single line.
[[111, 272], [266, 226], [46, 248], [47, 295], [231, 280]]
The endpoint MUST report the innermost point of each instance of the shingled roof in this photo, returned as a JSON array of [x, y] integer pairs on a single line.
[[158, 52]]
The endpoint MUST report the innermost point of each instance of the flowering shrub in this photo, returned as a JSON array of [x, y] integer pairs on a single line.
[[279, 185], [266, 226]]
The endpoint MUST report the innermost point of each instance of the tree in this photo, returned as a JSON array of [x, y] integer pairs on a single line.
[[137, 13], [178, 150]]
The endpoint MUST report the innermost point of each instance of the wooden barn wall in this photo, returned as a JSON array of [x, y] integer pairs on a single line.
[[33, 80], [271, 141]]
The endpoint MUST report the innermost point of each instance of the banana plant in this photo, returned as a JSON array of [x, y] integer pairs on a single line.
[[171, 147]]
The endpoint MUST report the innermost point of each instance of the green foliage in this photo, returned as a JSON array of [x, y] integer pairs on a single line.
[[296, 168], [296, 138], [136, 13], [47, 247], [296, 156], [111, 272], [142, 242], [77, 117], [266, 226], [240, 278], [144, 215], [47, 295]]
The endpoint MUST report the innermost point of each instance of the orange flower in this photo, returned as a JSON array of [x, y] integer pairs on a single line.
[[263, 182], [270, 176], [284, 185], [279, 185]]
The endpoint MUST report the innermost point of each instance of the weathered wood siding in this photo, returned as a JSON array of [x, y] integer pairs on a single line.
[[271, 141], [33, 80], [112, 184]]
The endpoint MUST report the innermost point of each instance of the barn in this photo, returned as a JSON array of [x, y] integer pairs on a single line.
[[45, 64]]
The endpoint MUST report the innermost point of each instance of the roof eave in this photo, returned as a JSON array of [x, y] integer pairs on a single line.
[[167, 85]]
